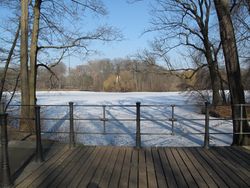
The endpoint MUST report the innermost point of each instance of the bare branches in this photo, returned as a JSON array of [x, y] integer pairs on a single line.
[[182, 23], [3, 78], [95, 6], [13, 92], [60, 29], [103, 34], [48, 68]]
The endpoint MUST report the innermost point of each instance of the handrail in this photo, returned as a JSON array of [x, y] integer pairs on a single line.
[[5, 169], [136, 113]]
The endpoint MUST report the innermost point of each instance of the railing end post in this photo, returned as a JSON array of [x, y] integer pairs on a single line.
[[206, 134], [138, 125], [172, 120], [71, 125], [39, 148], [5, 167]]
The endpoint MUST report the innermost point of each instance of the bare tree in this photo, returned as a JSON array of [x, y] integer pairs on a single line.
[[187, 23], [49, 33], [33, 57], [240, 13], [233, 71], [25, 95], [7, 63]]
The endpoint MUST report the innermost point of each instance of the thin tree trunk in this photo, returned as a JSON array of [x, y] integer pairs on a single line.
[[25, 99], [223, 95], [3, 79], [33, 57], [212, 65], [233, 70], [214, 77]]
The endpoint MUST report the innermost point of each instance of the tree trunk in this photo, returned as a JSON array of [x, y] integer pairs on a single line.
[[25, 99], [212, 66], [203, 23], [233, 71], [214, 77], [33, 57], [3, 79]]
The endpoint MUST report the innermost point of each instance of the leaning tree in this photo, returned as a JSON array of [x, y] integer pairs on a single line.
[[231, 56]]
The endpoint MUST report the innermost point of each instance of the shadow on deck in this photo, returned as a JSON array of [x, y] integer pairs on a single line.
[[89, 166]]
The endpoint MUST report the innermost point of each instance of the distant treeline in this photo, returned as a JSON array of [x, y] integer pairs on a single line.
[[121, 75]]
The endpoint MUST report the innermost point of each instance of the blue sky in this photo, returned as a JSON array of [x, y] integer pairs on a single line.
[[131, 20]]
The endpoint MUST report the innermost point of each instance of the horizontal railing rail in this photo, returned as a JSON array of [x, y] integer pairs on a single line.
[[170, 116], [135, 112]]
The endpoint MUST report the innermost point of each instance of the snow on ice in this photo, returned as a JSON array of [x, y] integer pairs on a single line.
[[188, 127]]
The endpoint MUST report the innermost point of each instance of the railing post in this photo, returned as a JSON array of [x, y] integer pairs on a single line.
[[2, 107], [39, 148], [71, 125], [104, 118], [241, 117], [172, 119], [206, 135], [138, 125], [5, 168]]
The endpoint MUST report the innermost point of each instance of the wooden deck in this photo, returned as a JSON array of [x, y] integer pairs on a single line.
[[150, 167]]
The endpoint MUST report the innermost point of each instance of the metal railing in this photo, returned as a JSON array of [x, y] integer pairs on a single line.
[[137, 118], [133, 115]]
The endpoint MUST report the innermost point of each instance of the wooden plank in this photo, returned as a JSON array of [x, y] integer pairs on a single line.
[[114, 181], [92, 169], [133, 178], [142, 182], [151, 176], [54, 150], [179, 179], [57, 171], [245, 151], [104, 182], [183, 168], [161, 180], [84, 168], [125, 169], [195, 174], [243, 173], [49, 170], [213, 174], [234, 160], [217, 167], [200, 169], [239, 177], [167, 169], [77, 167], [240, 155], [69, 169], [99, 173], [42, 168]]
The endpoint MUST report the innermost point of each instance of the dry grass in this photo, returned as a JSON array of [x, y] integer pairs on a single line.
[[15, 134], [225, 111]]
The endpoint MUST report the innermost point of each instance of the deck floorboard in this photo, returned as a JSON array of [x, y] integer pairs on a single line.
[[103, 167]]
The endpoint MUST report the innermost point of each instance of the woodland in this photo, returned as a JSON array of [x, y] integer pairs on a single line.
[[215, 33]]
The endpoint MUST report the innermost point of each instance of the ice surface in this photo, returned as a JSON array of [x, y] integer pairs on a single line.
[[120, 128]]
